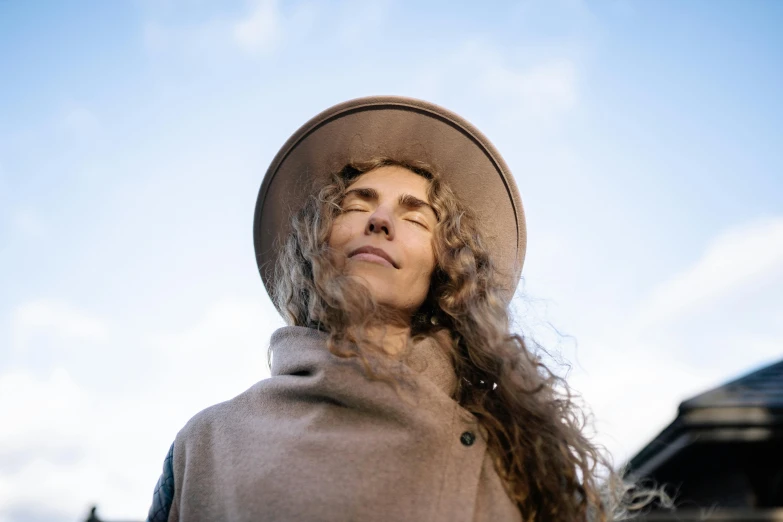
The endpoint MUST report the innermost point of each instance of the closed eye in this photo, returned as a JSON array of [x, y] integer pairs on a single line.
[[418, 223]]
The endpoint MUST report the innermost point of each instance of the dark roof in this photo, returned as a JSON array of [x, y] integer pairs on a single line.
[[747, 408], [714, 515], [762, 388]]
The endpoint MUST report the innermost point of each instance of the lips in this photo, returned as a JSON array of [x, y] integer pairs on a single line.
[[369, 253]]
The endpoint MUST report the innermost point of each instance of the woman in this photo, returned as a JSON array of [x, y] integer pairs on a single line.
[[397, 391]]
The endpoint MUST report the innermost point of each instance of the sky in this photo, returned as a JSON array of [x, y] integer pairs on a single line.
[[645, 138]]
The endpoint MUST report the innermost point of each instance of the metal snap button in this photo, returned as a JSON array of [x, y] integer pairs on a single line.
[[467, 438]]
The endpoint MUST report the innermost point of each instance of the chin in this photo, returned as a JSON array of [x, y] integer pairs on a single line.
[[384, 292], [380, 287]]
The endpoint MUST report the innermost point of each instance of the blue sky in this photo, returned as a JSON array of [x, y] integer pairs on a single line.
[[644, 136]]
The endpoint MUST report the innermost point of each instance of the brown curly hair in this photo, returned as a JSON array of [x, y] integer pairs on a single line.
[[535, 432]]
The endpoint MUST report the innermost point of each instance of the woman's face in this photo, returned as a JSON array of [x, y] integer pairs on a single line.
[[385, 231]]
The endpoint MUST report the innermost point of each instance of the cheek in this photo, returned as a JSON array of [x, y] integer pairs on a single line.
[[341, 233], [424, 256]]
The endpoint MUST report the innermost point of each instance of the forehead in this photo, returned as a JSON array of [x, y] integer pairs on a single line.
[[393, 180]]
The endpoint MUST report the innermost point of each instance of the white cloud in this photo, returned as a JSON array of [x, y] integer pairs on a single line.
[[634, 375], [533, 93], [217, 357], [543, 89], [226, 348], [359, 18], [633, 386], [198, 41], [45, 437], [31, 408], [3, 182], [55, 318], [716, 320], [29, 223], [77, 120], [739, 257], [266, 27], [155, 36], [64, 447], [260, 31]]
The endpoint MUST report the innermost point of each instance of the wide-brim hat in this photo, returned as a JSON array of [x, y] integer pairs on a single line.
[[404, 129]]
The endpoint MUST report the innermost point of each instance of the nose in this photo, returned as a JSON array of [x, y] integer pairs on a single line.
[[380, 223]]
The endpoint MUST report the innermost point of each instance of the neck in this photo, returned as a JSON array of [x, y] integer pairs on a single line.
[[392, 338]]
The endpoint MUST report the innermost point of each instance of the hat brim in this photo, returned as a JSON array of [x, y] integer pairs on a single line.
[[404, 129]]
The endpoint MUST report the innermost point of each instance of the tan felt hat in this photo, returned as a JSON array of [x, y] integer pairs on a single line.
[[403, 129]]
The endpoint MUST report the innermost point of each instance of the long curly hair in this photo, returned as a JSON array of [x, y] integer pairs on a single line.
[[535, 431]]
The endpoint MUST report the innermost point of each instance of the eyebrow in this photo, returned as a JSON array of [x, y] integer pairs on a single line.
[[405, 200]]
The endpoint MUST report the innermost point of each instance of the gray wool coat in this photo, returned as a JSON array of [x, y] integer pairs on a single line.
[[319, 441]]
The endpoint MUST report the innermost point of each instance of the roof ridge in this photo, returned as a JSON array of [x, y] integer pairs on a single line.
[[762, 386]]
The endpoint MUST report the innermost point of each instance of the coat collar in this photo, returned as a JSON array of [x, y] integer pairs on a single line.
[[293, 345]]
